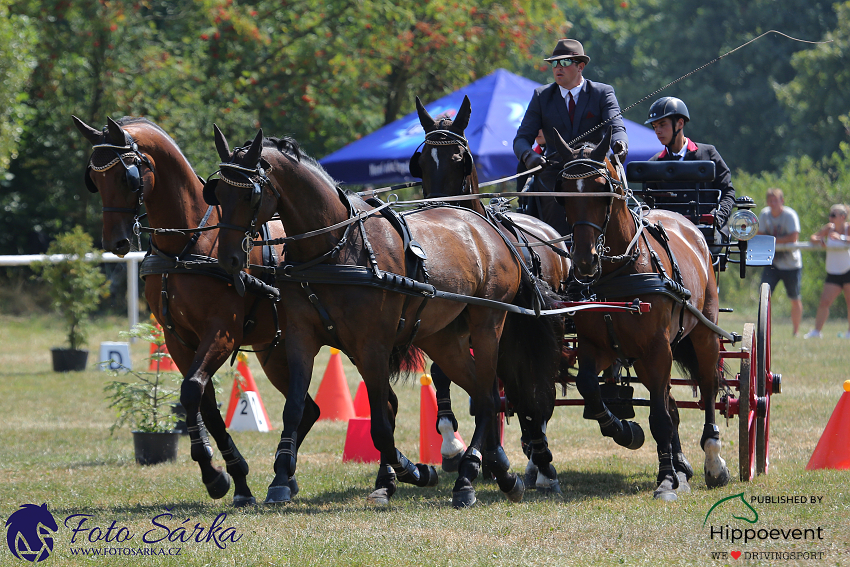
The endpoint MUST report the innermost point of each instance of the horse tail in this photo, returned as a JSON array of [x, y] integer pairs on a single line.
[[530, 353], [405, 360], [685, 357]]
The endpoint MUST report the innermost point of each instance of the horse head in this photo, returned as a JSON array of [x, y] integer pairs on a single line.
[[586, 170], [239, 192], [445, 164], [121, 173]]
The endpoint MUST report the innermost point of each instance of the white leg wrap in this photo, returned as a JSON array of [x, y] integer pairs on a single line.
[[451, 445], [714, 463]]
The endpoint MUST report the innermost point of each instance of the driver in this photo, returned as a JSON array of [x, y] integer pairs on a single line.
[[668, 116]]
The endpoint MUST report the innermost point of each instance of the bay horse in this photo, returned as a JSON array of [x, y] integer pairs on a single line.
[[204, 319], [664, 260], [446, 169], [340, 286]]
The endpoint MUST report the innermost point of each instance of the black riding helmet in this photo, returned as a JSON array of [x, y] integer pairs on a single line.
[[667, 106]]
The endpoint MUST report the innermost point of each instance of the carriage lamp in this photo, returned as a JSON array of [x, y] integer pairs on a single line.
[[743, 224]]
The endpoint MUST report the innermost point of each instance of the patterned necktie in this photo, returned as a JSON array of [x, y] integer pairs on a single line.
[[572, 107]]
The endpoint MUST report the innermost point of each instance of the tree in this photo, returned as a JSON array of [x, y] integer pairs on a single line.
[[17, 36], [816, 97]]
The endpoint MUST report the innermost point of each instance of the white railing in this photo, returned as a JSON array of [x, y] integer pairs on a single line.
[[132, 260], [806, 246]]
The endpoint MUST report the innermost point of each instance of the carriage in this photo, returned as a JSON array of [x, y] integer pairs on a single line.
[[747, 395], [323, 223]]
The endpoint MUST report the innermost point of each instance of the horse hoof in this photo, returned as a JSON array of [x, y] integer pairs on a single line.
[[636, 439], [293, 486], [464, 498], [547, 486], [684, 487], [451, 464], [380, 497], [532, 474], [278, 495], [427, 475], [716, 481], [219, 486], [515, 494], [665, 495], [682, 465], [240, 501]]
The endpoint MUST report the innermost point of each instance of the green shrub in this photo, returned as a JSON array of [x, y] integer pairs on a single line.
[[75, 283]]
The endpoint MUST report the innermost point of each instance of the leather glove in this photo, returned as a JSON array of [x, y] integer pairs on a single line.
[[533, 159], [621, 150]]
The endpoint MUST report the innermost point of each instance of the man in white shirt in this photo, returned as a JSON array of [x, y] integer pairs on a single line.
[[782, 222]]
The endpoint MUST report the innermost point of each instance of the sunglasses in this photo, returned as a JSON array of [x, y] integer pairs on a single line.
[[564, 62]]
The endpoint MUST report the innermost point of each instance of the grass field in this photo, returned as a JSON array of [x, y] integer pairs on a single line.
[[56, 449]]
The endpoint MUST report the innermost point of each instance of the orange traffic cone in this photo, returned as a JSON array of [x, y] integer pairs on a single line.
[[245, 384], [334, 397], [166, 363], [833, 450], [361, 401], [430, 441], [358, 442]]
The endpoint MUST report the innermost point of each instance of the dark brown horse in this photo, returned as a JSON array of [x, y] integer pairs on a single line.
[[446, 168], [669, 265], [362, 313], [136, 163]]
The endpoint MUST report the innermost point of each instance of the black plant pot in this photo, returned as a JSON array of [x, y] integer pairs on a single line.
[[69, 360], [155, 448]]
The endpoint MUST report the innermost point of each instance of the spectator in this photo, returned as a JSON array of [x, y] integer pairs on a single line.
[[834, 237], [782, 223]]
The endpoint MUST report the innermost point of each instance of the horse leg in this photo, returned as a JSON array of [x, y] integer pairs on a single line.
[[684, 470], [300, 352], [373, 366], [451, 448], [237, 466], [275, 365], [625, 433], [656, 377], [386, 482], [195, 382], [539, 473], [707, 347]]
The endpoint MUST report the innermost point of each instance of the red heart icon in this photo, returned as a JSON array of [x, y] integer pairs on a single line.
[[736, 554]]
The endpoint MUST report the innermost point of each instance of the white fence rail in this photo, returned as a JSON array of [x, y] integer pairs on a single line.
[[132, 260]]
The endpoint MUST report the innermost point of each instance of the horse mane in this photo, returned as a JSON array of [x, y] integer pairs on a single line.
[[289, 146], [137, 120]]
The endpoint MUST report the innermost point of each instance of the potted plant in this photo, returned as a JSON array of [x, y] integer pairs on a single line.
[[144, 402], [75, 285]]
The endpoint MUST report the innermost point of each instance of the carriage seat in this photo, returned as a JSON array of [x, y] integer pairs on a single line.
[[694, 203]]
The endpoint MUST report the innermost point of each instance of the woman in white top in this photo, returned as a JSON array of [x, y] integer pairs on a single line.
[[834, 236]]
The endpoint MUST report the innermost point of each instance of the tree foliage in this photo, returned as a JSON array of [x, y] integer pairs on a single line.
[[331, 71]]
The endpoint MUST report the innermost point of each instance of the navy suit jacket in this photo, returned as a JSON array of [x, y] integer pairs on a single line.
[[548, 111]]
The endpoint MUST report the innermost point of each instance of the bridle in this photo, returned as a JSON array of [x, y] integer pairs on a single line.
[[132, 177], [247, 178], [446, 138], [592, 169]]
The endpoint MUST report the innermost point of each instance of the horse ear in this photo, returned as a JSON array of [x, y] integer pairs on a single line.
[[221, 144], [562, 148], [87, 131], [424, 118], [116, 133], [600, 151], [461, 120], [252, 156]]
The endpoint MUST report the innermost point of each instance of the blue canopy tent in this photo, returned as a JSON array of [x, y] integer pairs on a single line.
[[498, 101]]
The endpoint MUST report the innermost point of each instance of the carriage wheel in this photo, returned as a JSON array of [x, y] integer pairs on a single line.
[[762, 371], [746, 409]]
